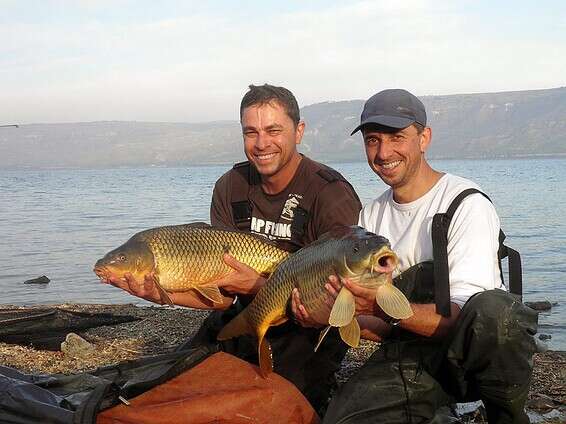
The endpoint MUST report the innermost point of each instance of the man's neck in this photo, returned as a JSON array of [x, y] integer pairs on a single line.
[[425, 180], [278, 182]]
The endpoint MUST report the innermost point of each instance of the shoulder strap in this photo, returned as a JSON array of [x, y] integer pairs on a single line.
[[440, 224], [243, 177], [303, 213]]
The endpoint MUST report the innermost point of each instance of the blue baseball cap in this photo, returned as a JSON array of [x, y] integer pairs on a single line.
[[394, 108]]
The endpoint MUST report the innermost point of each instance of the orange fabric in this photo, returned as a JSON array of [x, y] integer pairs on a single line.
[[221, 389]]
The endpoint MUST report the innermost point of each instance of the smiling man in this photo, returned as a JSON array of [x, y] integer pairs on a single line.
[[468, 338], [292, 200]]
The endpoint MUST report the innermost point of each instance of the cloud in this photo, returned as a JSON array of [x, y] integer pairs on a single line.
[[196, 66]]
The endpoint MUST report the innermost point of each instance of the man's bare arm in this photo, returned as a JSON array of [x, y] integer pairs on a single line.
[[425, 321]]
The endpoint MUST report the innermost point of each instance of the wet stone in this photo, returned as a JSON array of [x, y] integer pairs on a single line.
[[544, 305], [39, 280], [541, 403], [544, 336], [75, 346]]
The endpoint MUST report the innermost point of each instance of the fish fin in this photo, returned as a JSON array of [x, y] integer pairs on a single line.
[[322, 335], [163, 295], [279, 321], [238, 326], [341, 232], [199, 224], [265, 355], [351, 333], [393, 302], [211, 292], [343, 309]]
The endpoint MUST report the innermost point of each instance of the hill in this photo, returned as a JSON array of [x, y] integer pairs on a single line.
[[490, 125]]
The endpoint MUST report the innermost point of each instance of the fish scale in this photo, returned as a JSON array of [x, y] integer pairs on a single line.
[[313, 265], [172, 246], [351, 252], [189, 256]]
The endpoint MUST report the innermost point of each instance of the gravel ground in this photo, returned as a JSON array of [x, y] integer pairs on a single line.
[[160, 329]]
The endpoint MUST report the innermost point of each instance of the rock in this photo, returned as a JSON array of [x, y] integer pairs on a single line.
[[541, 346], [471, 412], [75, 346], [541, 403], [39, 280], [543, 305]]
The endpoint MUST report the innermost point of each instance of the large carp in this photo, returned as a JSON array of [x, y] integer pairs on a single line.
[[349, 252], [187, 257]]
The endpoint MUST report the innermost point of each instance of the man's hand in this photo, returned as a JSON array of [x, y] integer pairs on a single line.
[[364, 298], [300, 314], [145, 289], [373, 328], [244, 280], [148, 290]]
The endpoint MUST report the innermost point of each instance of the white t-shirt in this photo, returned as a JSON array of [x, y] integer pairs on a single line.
[[473, 234]]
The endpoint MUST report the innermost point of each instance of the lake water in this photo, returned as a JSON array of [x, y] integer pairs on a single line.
[[59, 222]]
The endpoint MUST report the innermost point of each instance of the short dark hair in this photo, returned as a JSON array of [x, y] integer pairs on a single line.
[[419, 127], [266, 93]]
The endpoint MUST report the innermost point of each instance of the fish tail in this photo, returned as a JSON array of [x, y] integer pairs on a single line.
[[237, 327], [265, 356]]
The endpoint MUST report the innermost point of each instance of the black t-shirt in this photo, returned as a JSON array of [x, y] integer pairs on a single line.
[[335, 204]]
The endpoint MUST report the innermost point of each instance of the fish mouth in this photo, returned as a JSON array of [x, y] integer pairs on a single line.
[[385, 261], [103, 273]]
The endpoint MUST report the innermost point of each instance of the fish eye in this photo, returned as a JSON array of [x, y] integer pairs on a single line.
[[122, 257], [356, 248]]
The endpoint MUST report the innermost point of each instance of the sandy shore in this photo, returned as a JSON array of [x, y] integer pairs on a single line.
[[161, 329]]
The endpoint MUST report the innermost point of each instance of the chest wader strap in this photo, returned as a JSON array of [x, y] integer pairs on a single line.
[[440, 224], [302, 213], [514, 263], [244, 177]]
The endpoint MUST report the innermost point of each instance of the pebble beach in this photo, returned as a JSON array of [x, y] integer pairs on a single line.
[[160, 329]]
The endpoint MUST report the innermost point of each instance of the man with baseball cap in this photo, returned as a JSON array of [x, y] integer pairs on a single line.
[[468, 338]]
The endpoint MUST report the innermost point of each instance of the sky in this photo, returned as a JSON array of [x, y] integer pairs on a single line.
[[191, 61]]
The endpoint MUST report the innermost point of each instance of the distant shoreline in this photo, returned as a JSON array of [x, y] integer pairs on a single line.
[[555, 156]]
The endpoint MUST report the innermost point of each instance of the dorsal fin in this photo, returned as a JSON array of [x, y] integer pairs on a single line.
[[198, 225], [343, 232], [335, 233]]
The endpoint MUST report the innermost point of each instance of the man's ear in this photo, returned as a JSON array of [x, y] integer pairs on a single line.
[[299, 131], [425, 138]]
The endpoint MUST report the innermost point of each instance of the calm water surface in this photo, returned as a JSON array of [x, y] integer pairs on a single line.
[[59, 222]]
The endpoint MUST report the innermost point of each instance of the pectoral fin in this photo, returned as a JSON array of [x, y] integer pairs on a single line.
[[343, 309], [351, 333], [163, 295], [393, 302], [322, 335], [211, 292], [278, 321]]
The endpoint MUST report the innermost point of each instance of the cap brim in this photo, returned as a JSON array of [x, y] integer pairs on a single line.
[[387, 121]]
